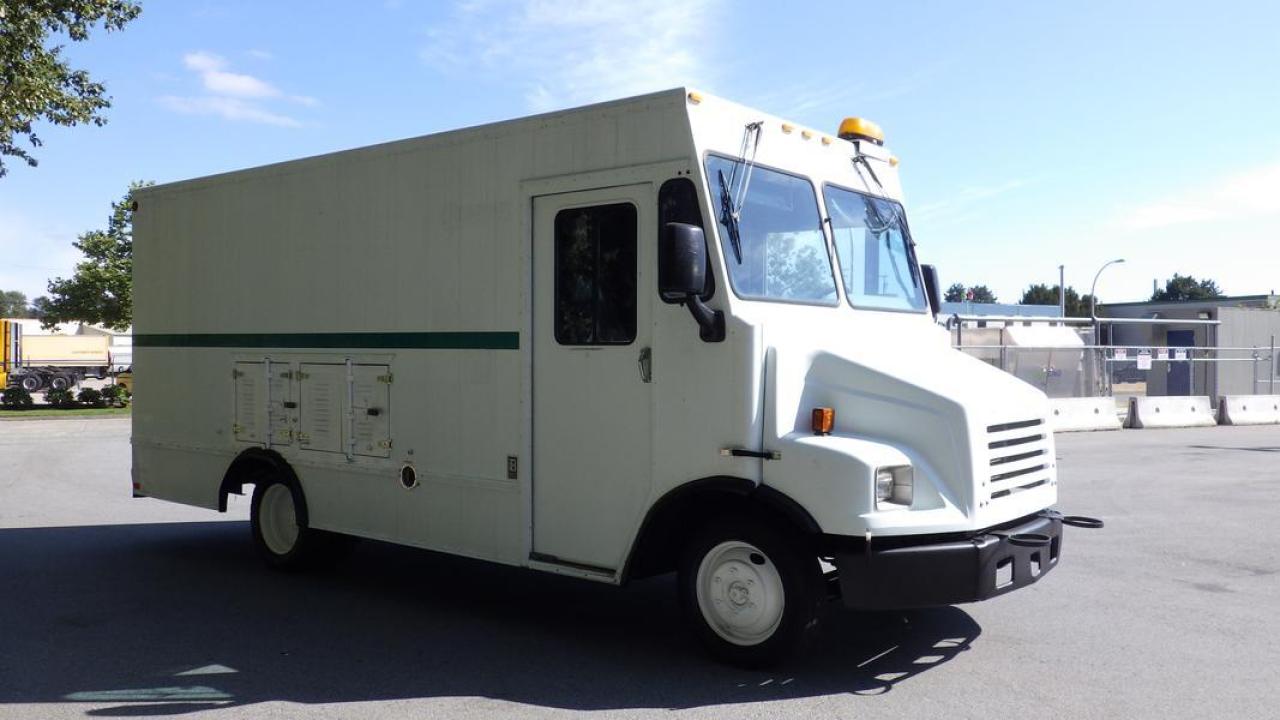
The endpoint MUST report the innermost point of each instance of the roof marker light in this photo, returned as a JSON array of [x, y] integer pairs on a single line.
[[856, 128], [787, 128], [695, 97]]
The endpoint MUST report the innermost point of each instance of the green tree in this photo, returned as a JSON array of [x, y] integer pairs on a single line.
[[36, 83], [1186, 287], [974, 293], [1041, 294], [39, 307], [983, 294], [101, 290], [13, 304]]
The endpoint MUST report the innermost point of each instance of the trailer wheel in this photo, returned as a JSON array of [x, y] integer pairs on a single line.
[[30, 383], [278, 534], [750, 592]]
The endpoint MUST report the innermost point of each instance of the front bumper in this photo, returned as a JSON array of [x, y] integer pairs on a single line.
[[895, 573]]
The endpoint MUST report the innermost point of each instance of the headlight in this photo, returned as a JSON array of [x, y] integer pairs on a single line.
[[893, 486]]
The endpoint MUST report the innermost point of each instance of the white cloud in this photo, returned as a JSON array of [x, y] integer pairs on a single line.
[[232, 95], [571, 52], [230, 108], [259, 54], [203, 61], [1250, 194], [961, 204]]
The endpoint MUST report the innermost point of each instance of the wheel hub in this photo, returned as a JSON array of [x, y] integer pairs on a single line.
[[740, 593]]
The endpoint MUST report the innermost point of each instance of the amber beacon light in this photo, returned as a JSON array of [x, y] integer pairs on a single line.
[[824, 419], [856, 128]]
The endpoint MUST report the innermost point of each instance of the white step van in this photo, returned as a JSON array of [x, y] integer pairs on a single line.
[[667, 333]]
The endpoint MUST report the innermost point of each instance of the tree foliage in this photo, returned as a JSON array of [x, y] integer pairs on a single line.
[[13, 304], [101, 290], [36, 83], [974, 293], [1041, 294], [1186, 287]]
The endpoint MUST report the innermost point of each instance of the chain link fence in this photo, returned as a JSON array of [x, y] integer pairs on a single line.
[[1062, 358]]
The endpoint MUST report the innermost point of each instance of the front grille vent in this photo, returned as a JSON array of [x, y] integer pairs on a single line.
[[1019, 457]]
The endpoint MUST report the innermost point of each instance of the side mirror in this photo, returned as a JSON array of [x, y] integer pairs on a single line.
[[682, 262], [931, 288], [682, 276]]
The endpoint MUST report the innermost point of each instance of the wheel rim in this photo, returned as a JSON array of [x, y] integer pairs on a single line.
[[740, 593], [277, 520]]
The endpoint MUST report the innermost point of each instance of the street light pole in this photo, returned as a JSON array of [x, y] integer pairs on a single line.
[[1062, 290], [1093, 314], [1093, 289]]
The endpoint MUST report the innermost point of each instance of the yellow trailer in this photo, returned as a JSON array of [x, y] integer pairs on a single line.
[[8, 350], [51, 361]]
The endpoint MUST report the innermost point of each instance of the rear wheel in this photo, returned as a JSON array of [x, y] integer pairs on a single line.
[[30, 383], [60, 382], [750, 591], [279, 530]]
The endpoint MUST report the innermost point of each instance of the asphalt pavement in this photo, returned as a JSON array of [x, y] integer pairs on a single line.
[[121, 607]]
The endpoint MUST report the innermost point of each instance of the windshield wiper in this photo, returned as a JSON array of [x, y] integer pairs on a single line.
[[731, 201], [729, 218], [886, 229]]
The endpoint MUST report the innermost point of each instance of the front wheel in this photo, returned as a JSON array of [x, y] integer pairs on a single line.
[[750, 591]]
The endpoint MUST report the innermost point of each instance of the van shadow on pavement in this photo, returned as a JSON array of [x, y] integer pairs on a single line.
[[165, 619]]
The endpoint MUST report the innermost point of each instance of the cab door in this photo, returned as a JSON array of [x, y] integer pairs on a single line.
[[592, 405]]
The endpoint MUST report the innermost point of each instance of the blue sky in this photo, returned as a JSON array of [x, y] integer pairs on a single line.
[[1032, 134]]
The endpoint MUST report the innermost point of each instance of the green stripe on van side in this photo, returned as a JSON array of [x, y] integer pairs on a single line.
[[345, 340]]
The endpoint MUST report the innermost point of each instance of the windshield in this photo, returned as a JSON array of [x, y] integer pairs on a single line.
[[874, 249], [781, 253]]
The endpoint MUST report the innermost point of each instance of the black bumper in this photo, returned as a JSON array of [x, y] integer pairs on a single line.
[[896, 573]]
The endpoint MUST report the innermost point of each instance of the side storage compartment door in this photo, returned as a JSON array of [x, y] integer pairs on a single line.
[[263, 402], [280, 403], [250, 402], [371, 410], [321, 389]]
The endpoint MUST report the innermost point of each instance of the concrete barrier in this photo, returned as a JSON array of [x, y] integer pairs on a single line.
[[1170, 412], [1249, 410], [1079, 414]]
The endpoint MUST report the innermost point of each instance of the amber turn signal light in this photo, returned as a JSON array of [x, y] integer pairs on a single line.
[[824, 419]]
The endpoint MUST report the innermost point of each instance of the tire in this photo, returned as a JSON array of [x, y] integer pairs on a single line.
[[277, 520], [31, 383], [750, 591], [60, 382]]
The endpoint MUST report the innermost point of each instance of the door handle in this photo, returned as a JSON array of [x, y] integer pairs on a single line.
[[646, 365]]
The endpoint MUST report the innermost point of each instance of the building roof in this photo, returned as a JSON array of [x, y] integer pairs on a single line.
[[972, 308], [1227, 301]]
